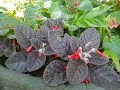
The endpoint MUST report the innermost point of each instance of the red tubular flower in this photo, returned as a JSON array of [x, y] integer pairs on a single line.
[[113, 24], [85, 81], [71, 56], [54, 27], [76, 55], [56, 55], [99, 53], [29, 49]]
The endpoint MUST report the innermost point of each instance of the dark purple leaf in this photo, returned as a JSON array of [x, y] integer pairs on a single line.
[[97, 60], [36, 43], [17, 62], [34, 61], [10, 51], [90, 35], [59, 32], [43, 34], [77, 71], [23, 35], [104, 76], [48, 50], [49, 23], [58, 22], [60, 45], [55, 73], [75, 44], [2, 50]]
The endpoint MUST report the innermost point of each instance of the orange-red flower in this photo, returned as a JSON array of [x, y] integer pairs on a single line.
[[29, 49], [113, 23], [76, 55]]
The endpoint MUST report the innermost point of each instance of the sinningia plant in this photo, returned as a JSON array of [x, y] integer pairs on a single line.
[[79, 60]]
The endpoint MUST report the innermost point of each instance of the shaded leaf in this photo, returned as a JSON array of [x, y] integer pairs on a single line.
[[43, 34], [2, 50], [23, 35], [55, 73], [36, 43], [10, 51], [34, 61], [97, 60], [17, 62], [75, 44], [77, 71], [60, 45], [59, 32], [90, 35], [48, 50], [58, 22], [104, 76]]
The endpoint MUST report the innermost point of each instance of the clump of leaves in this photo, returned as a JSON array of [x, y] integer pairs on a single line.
[[79, 58]]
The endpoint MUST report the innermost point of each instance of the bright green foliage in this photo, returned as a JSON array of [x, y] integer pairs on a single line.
[[114, 58]]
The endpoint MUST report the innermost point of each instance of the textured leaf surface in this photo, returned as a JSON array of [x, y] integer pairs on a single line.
[[75, 44], [34, 61], [23, 35], [5, 44], [58, 22], [85, 5], [13, 80], [17, 62], [59, 32], [104, 76], [2, 50], [90, 35], [97, 60], [36, 43], [43, 33], [77, 71], [48, 50], [10, 51], [55, 73], [112, 44], [60, 45]]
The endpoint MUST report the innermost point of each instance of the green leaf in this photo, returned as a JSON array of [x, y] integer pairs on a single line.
[[30, 11], [9, 22], [114, 58], [112, 44], [56, 10], [85, 22], [4, 31], [98, 11], [73, 27], [11, 36], [85, 5], [116, 15]]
